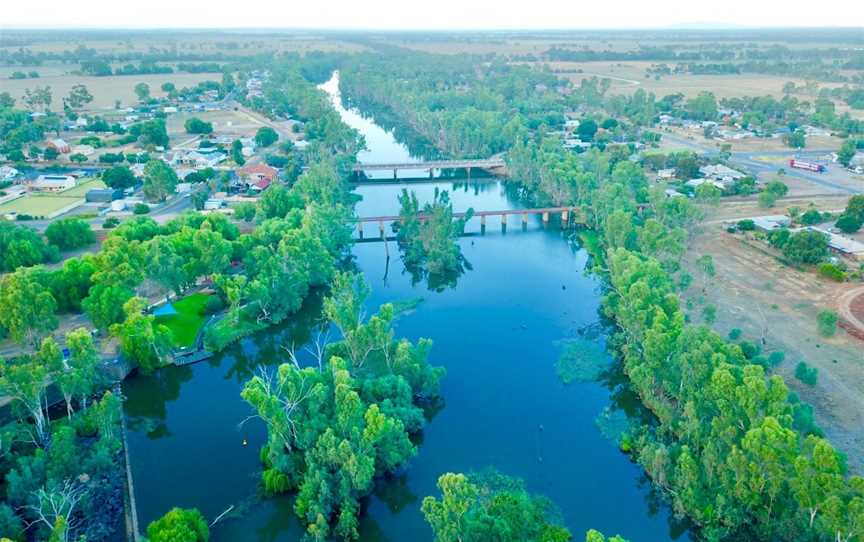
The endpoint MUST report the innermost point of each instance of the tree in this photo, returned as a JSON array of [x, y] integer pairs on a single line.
[[586, 129], [79, 96], [27, 306], [597, 536], [266, 136], [237, 152], [119, 177], [806, 246], [179, 525], [796, 139], [168, 87], [22, 247], [142, 341], [159, 180], [142, 90], [848, 223], [847, 151], [6, 100], [855, 207], [70, 233], [194, 125], [25, 383], [245, 211], [490, 506], [702, 107], [78, 157], [38, 99]]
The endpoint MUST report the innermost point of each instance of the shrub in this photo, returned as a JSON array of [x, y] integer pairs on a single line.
[[195, 125], [750, 350], [832, 271], [776, 358], [827, 323], [746, 225], [111, 222], [811, 216], [734, 334], [806, 374], [848, 223], [141, 209], [214, 304]]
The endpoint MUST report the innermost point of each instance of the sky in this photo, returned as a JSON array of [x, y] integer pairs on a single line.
[[422, 15]]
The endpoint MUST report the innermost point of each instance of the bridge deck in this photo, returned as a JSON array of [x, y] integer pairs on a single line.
[[432, 164], [507, 212]]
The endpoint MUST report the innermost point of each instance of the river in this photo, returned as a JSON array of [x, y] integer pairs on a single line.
[[498, 332]]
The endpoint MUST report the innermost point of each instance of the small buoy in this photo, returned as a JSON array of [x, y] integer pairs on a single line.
[[541, 426], [563, 287], [244, 442]]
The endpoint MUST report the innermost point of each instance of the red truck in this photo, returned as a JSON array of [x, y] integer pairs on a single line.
[[809, 166]]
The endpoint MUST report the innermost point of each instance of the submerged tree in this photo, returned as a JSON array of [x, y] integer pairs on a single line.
[[491, 506], [334, 427], [428, 237]]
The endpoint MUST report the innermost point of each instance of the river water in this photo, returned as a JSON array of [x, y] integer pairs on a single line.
[[498, 332]]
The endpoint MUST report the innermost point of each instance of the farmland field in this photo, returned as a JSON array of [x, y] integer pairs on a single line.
[[104, 89]]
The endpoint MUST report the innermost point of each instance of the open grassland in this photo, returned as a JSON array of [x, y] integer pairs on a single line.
[[105, 90], [224, 122], [81, 189], [627, 77]]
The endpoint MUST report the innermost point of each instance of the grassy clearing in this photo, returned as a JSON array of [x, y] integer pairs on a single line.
[[37, 205], [190, 317], [82, 188]]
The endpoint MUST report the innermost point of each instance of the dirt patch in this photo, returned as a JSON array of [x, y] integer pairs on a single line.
[[776, 306]]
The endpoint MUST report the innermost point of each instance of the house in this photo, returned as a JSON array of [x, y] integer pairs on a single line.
[[719, 172], [198, 159], [857, 161], [86, 150], [771, 222], [670, 193], [699, 182], [59, 145], [169, 109], [50, 183], [258, 172]]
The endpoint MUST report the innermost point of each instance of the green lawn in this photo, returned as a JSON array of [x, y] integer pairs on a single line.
[[81, 189], [38, 205], [190, 317]]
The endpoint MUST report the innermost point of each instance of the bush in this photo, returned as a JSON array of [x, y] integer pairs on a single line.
[[827, 323], [848, 223], [806, 374], [734, 334], [811, 216], [776, 358], [111, 222], [70, 233], [214, 304], [198, 126], [141, 209], [832, 271], [750, 350], [746, 225]]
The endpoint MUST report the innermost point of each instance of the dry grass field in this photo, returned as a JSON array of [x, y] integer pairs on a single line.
[[104, 89]]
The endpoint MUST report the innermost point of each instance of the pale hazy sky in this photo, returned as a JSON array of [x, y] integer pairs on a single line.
[[427, 14]]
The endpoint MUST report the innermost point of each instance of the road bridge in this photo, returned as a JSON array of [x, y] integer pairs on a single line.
[[360, 169], [568, 216]]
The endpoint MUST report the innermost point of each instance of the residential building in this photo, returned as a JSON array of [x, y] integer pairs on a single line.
[[59, 145]]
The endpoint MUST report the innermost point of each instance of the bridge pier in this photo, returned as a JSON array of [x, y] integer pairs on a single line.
[[381, 228], [524, 221], [360, 229], [545, 218], [395, 176], [503, 222], [564, 219]]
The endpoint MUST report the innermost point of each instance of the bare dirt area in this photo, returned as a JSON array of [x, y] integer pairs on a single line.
[[756, 293]]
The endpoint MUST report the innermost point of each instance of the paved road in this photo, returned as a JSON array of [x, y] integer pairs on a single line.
[[750, 160]]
